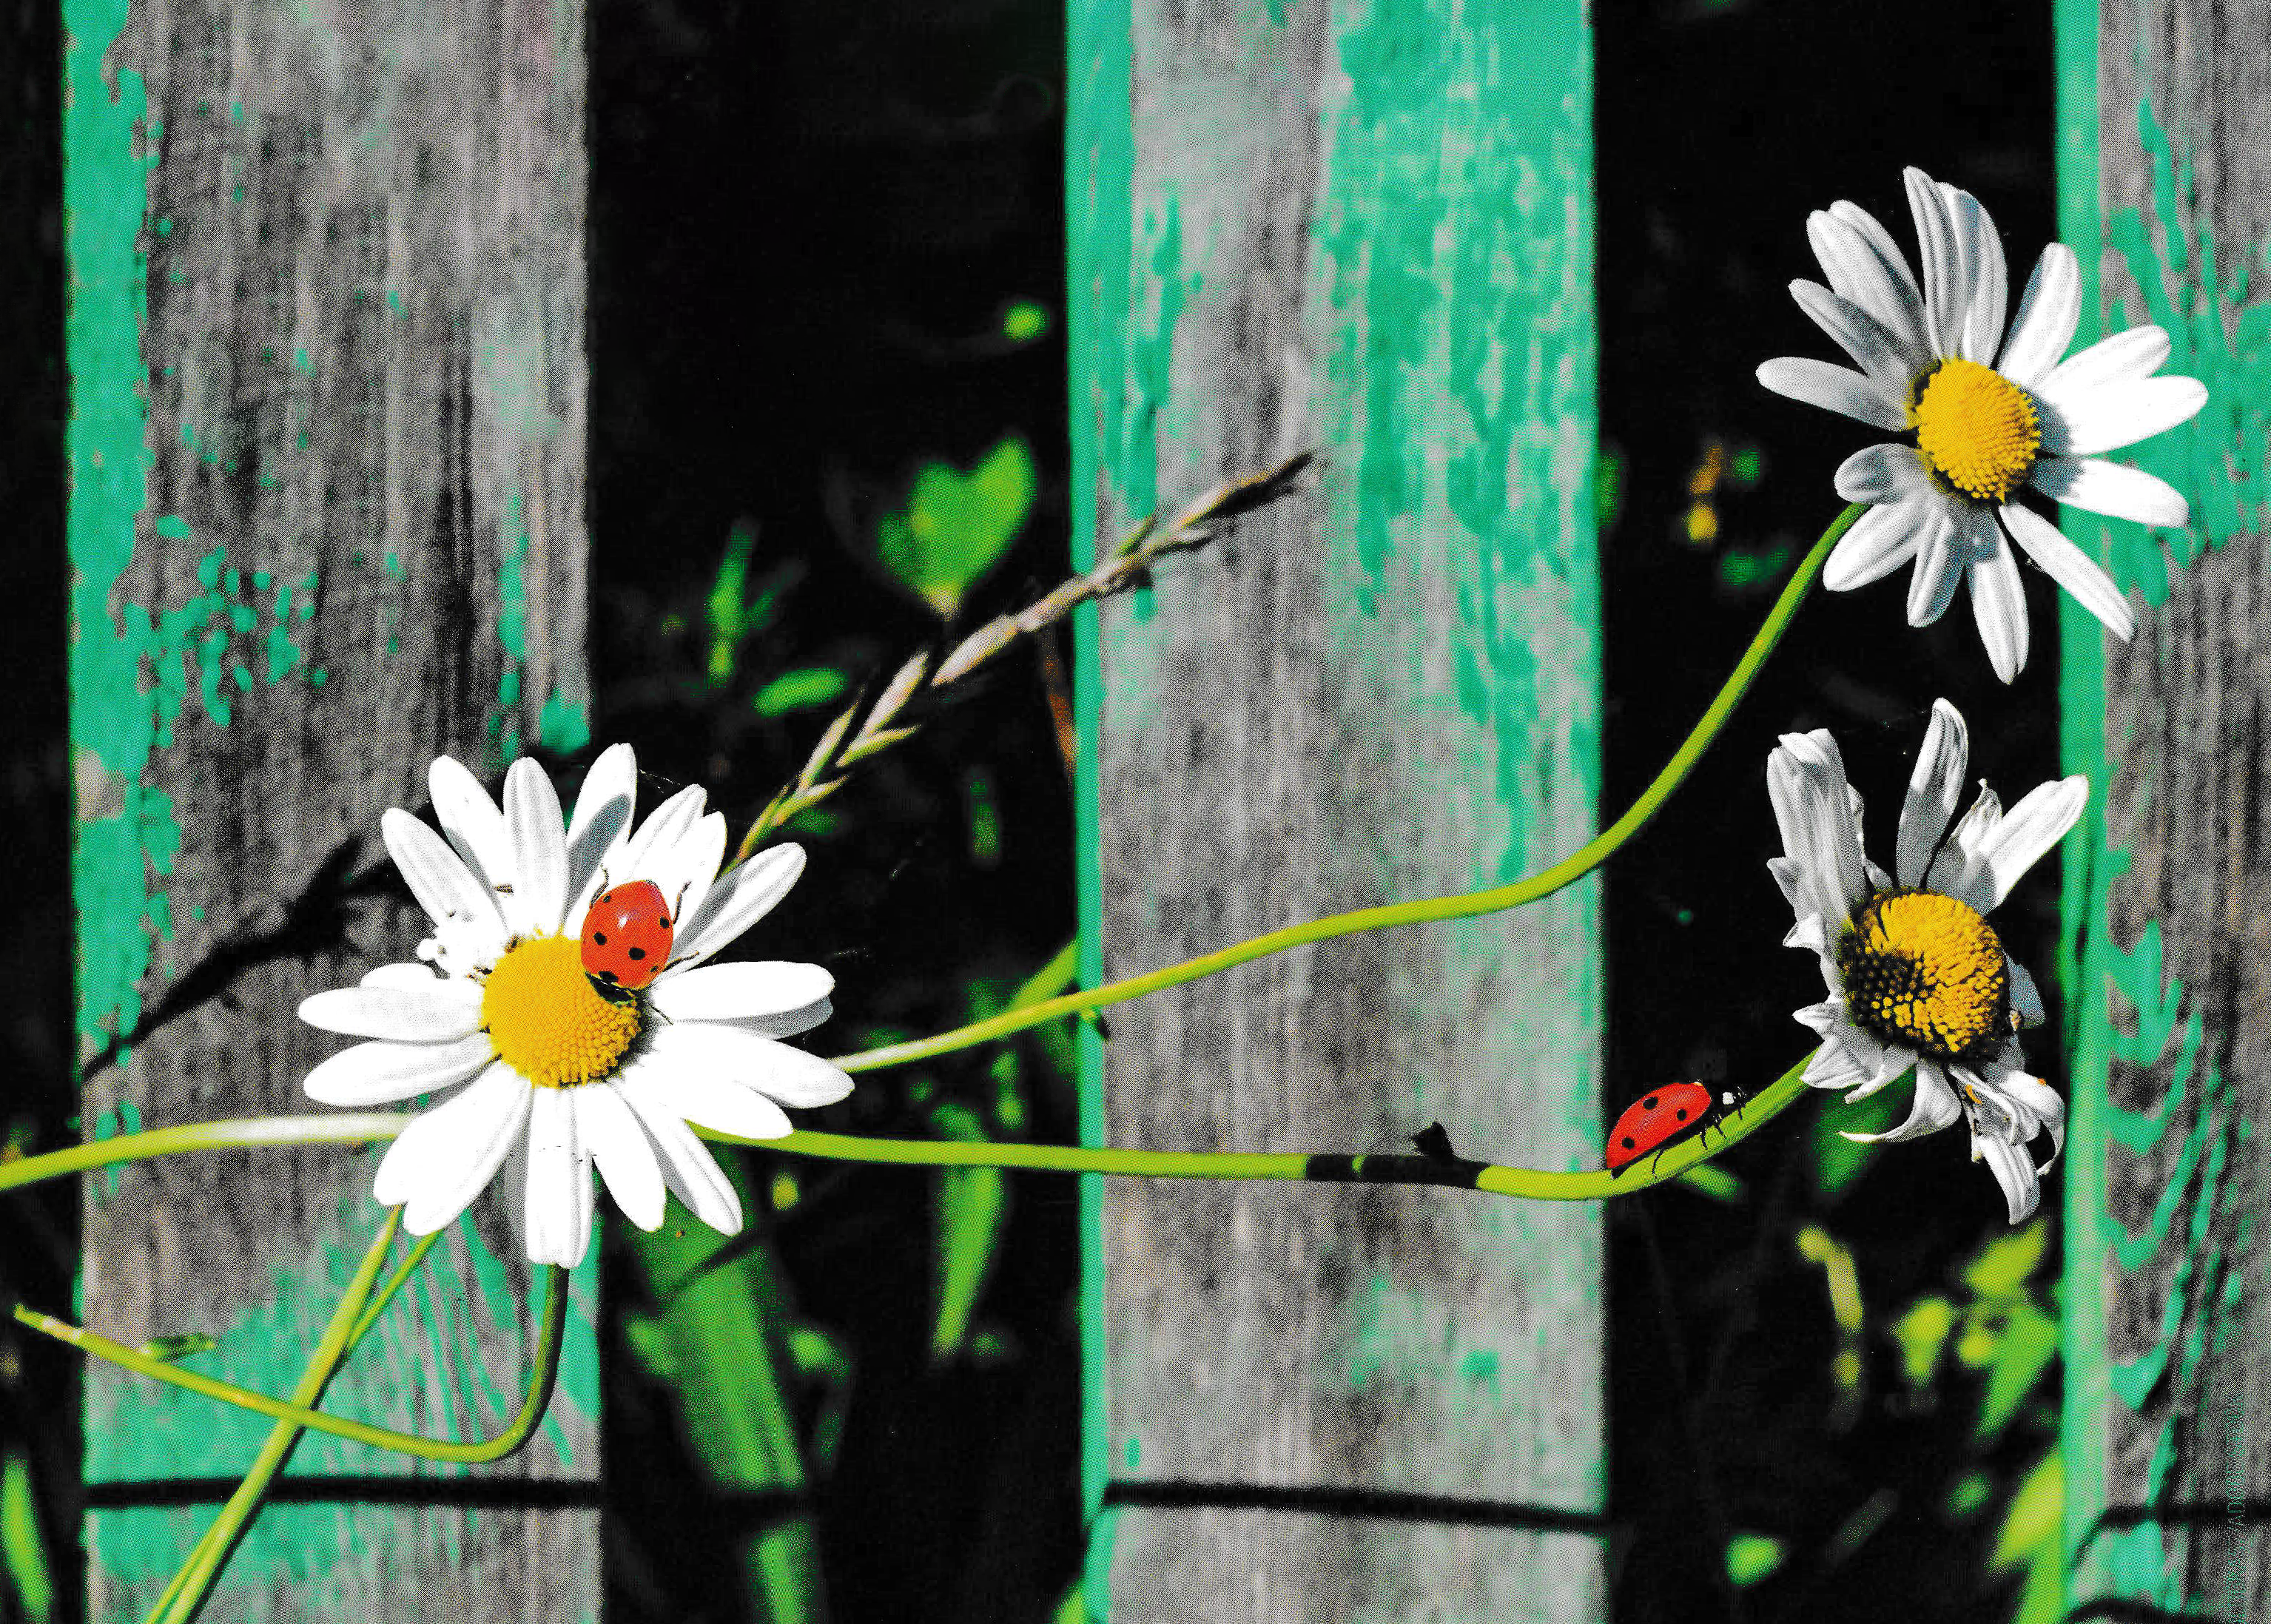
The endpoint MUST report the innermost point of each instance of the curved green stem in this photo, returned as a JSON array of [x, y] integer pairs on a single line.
[[1465, 905], [346, 1128], [531, 1410], [185, 1596], [1529, 1183]]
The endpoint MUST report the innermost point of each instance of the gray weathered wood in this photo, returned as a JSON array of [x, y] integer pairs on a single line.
[[2169, 1401], [357, 376], [1370, 234]]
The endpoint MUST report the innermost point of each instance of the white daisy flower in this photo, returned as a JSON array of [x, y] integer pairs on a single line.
[[1987, 422], [1916, 975], [561, 1072]]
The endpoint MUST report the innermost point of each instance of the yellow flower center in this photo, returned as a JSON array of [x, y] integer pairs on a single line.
[[547, 1021], [1926, 972], [1977, 429]]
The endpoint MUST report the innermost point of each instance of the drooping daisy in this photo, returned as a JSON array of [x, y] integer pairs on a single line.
[[1916, 975], [559, 1071], [1988, 422]]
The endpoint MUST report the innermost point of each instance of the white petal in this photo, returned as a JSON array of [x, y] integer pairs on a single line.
[[1860, 334], [1881, 541], [707, 1048], [1790, 877], [2039, 822], [1987, 281], [601, 825], [1956, 870], [539, 850], [2072, 569], [2124, 357], [742, 896], [625, 1155], [1812, 933], [440, 1012], [1835, 389], [2112, 488], [1823, 1018], [1886, 473], [557, 1215], [1834, 1066], [685, 868], [1942, 257], [2081, 422], [1931, 587], [2048, 312], [1806, 784], [2014, 1171], [447, 1157], [1998, 605], [659, 836], [437, 875], [471, 820], [2026, 997], [411, 978], [1935, 1107], [1934, 786], [2036, 1108], [372, 1073], [688, 1167], [1862, 263], [713, 1103], [741, 992]]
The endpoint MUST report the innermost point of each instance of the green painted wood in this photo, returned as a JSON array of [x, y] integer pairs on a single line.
[[2165, 190], [325, 341], [1368, 229]]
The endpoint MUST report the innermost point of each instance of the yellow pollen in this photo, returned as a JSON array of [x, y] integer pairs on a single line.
[[1926, 972], [547, 1021], [1977, 429]]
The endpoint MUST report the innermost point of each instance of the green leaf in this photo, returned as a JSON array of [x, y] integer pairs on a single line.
[[21, 1546], [1751, 1557], [2029, 1343], [801, 690], [2006, 1262], [970, 1209], [1923, 1333], [2031, 1526], [956, 527], [1025, 321]]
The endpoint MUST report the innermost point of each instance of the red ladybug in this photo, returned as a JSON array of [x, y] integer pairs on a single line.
[[627, 935], [1660, 1118]]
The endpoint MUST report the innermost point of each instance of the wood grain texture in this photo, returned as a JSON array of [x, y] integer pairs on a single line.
[[1368, 230], [2170, 1388], [326, 341]]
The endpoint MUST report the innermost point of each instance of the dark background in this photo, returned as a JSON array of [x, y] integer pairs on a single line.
[[809, 221]]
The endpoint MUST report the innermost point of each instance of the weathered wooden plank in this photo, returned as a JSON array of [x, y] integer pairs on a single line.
[[1366, 229], [326, 338], [2165, 127]]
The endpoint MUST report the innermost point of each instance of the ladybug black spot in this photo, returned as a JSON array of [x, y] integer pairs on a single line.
[[665, 922], [600, 938], [1648, 1104], [1679, 1115], [1629, 1143], [637, 953]]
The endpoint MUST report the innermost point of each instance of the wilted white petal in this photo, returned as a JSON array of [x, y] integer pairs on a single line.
[[1836, 389], [2072, 569], [372, 1073], [1934, 787], [2112, 488], [2014, 1171], [447, 1157], [1935, 1107], [2026, 997]]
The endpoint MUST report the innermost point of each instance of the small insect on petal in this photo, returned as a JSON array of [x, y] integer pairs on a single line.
[[628, 935]]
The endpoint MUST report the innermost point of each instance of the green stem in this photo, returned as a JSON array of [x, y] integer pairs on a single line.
[[1465, 905], [531, 1410], [185, 1597], [346, 1128]]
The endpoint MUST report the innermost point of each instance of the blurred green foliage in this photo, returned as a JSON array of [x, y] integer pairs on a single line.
[[955, 526]]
